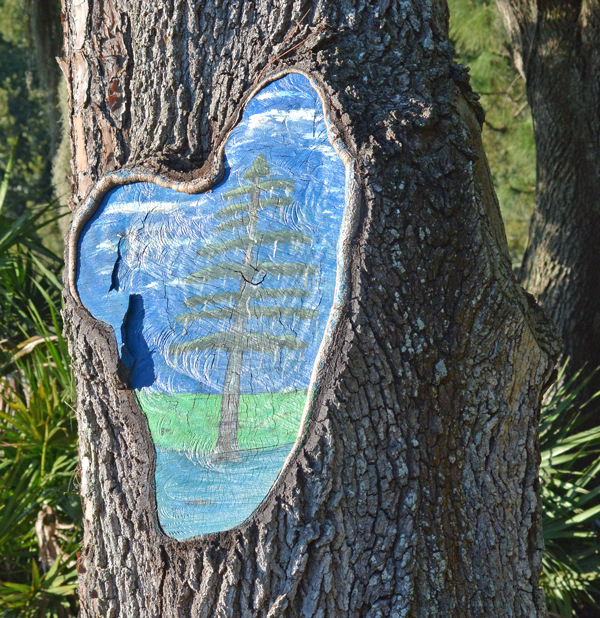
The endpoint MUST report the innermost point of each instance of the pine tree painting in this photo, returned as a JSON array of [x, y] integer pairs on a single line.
[[223, 304], [248, 264]]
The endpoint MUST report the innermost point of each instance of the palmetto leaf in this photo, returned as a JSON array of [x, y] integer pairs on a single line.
[[570, 462], [38, 453]]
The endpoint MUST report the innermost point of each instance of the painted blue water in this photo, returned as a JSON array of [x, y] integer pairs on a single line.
[[196, 496]]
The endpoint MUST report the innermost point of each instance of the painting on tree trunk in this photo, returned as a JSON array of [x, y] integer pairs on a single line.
[[220, 304]]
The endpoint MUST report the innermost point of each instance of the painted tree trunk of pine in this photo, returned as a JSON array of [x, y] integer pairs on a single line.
[[557, 49], [416, 490], [227, 441], [238, 340]]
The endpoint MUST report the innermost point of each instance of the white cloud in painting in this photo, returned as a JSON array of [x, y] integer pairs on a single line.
[[270, 93], [142, 207], [177, 281], [166, 206], [108, 245], [277, 115], [280, 93], [267, 94]]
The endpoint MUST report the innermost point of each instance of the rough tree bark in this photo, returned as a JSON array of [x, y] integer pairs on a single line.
[[556, 45], [416, 490]]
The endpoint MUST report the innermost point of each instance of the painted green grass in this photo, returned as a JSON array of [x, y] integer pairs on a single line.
[[190, 421]]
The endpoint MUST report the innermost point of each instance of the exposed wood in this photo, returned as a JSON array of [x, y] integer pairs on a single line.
[[416, 490]]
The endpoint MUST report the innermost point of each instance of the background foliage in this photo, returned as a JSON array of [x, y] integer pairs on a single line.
[[39, 506], [30, 112], [481, 42], [22, 112]]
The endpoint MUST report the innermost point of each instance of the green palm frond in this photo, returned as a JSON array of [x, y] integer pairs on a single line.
[[38, 434], [570, 463]]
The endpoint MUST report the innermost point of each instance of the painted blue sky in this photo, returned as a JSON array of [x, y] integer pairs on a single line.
[[140, 246]]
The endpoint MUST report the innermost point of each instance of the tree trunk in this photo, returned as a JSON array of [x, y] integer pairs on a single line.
[[415, 492], [227, 443], [556, 47]]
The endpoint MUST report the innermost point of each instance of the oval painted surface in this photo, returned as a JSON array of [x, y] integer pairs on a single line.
[[220, 303]]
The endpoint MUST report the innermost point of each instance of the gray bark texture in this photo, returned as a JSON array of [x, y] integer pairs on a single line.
[[415, 492], [556, 47]]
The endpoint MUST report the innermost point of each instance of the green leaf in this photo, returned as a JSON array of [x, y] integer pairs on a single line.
[[571, 570], [7, 174]]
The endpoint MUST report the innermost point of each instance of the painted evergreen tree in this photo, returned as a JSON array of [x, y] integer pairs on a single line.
[[260, 192]]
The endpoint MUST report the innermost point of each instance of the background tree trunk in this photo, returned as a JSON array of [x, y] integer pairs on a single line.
[[416, 490], [556, 47]]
